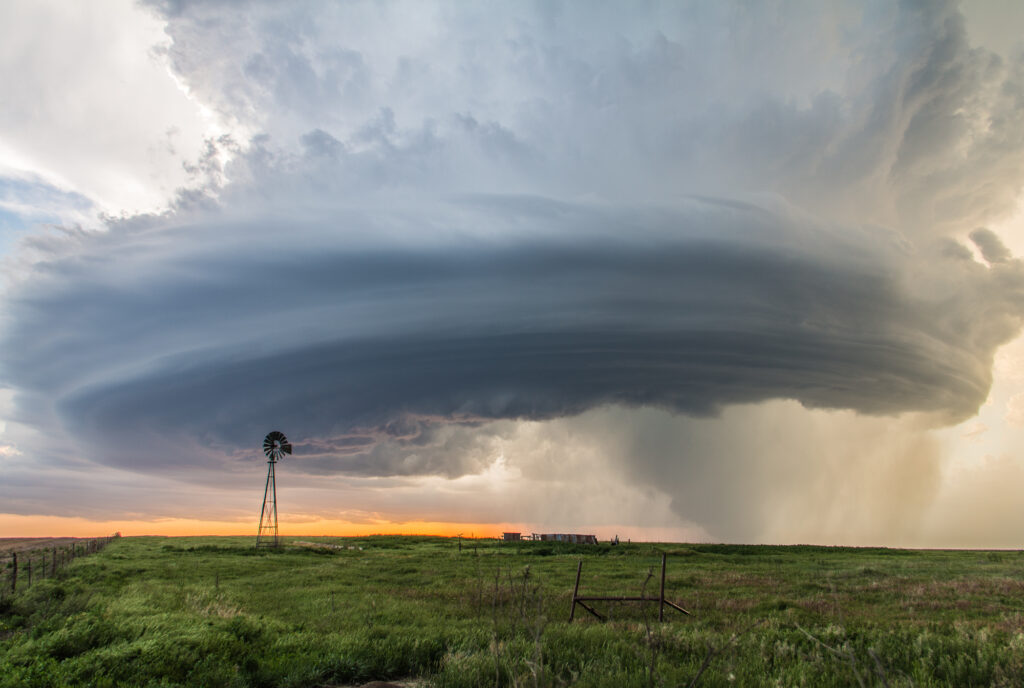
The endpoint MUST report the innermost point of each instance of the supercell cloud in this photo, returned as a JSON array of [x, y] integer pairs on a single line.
[[434, 216], [336, 328]]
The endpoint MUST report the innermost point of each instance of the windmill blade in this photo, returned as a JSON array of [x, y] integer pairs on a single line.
[[275, 445]]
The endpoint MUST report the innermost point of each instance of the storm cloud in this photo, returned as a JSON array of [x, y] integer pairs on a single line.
[[426, 225], [216, 331]]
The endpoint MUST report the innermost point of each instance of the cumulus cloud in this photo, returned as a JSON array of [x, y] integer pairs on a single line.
[[94, 109], [909, 127]]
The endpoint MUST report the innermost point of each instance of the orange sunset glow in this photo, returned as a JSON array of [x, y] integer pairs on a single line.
[[12, 525]]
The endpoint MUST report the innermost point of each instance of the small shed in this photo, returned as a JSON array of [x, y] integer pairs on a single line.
[[512, 537]]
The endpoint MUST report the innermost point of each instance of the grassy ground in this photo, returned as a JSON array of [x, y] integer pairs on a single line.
[[215, 612]]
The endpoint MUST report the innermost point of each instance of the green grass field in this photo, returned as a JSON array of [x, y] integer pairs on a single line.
[[215, 612]]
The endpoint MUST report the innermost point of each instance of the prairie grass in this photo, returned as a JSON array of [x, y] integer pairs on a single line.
[[216, 612]]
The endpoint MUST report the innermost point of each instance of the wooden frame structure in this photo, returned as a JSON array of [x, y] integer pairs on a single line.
[[582, 600]]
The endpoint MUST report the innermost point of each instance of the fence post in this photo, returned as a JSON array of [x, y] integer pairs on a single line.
[[14, 572], [576, 590], [661, 596], [28, 571], [53, 563]]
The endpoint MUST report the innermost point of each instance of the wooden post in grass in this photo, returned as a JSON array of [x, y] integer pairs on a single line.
[[575, 590], [28, 571], [14, 572], [661, 596], [53, 562]]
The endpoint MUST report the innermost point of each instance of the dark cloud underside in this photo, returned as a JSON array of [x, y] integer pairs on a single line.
[[222, 343]]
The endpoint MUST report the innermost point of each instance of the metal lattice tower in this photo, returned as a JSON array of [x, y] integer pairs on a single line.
[[275, 446]]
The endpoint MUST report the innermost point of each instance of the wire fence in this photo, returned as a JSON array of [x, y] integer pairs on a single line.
[[26, 567]]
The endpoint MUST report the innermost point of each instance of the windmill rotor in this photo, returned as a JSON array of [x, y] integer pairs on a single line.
[[276, 445]]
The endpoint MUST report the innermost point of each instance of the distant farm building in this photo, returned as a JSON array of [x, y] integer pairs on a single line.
[[512, 537], [574, 538]]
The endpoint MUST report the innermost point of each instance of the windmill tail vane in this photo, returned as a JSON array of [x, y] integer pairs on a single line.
[[275, 446]]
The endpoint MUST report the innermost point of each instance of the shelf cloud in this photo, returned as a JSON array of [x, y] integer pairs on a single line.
[[214, 328]]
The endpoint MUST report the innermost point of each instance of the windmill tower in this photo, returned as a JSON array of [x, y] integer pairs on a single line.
[[275, 446]]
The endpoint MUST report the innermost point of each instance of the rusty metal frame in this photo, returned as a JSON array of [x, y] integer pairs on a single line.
[[581, 600]]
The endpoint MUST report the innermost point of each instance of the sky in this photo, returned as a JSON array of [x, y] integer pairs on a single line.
[[679, 271]]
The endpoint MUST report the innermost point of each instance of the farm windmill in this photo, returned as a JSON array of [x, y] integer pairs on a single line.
[[275, 446]]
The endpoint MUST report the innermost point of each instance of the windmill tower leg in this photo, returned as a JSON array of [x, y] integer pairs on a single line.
[[267, 534]]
